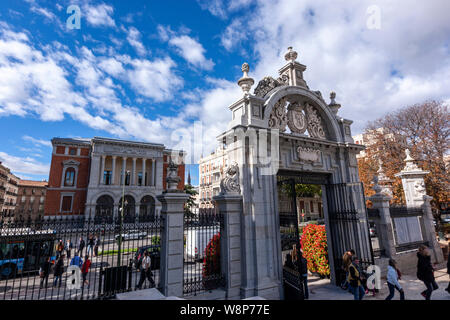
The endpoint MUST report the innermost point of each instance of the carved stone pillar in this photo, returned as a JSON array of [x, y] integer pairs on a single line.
[[102, 170], [143, 172], [124, 167]]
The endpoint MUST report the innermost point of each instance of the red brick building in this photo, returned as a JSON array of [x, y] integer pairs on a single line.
[[87, 176]]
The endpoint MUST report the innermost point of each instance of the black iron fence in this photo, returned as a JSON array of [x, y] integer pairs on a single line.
[[202, 270], [114, 248]]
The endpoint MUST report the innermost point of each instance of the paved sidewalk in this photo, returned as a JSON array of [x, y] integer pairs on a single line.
[[322, 289]]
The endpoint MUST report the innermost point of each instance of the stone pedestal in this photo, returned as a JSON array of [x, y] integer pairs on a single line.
[[230, 205], [172, 250], [384, 224]]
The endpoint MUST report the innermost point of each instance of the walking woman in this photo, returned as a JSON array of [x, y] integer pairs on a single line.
[[392, 281], [425, 271]]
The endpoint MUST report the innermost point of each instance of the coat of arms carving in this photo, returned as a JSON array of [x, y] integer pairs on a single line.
[[296, 118]]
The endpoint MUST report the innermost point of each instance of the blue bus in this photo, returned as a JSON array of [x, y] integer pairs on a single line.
[[23, 250]]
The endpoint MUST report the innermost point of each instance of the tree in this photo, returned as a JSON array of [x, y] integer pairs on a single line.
[[422, 128], [190, 203]]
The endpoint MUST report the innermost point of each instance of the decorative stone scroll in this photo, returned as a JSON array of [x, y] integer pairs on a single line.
[[265, 86], [308, 154], [278, 118], [230, 184], [315, 128]]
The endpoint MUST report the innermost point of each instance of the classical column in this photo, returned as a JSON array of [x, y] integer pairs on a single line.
[[95, 168], [143, 171], [124, 167], [102, 170], [113, 173], [153, 172], [133, 174]]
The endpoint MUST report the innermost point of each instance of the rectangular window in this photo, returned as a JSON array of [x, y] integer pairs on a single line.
[[107, 177], [66, 204], [73, 151], [140, 178]]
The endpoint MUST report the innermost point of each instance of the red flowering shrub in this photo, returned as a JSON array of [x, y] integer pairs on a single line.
[[315, 250], [211, 260]]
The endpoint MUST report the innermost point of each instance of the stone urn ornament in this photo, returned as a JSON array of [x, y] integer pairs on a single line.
[[172, 178]]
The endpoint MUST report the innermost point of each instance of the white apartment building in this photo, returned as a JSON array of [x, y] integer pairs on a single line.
[[211, 168]]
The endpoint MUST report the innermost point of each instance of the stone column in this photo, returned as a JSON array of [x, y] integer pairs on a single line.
[[102, 170], [143, 172], [133, 173], [113, 173], [153, 172], [415, 194], [384, 228], [172, 248], [95, 168], [230, 205]]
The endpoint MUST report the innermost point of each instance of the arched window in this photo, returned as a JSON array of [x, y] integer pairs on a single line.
[[69, 178], [104, 209], [147, 209]]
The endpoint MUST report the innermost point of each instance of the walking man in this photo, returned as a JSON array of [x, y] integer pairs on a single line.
[[76, 261], [425, 271], [81, 245], [45, 272], [59, 270], [304, 274], [146, 271], [68, 247]]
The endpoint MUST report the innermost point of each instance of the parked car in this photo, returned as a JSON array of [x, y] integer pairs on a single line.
[[132, 235], [155, 256]]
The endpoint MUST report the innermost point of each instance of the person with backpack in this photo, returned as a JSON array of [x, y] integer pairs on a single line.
[[59, 248], [425, 271], [44, 272], [304, 274], [59, 270], [393, 275], [85, 270], [146, 271], [354, 279]]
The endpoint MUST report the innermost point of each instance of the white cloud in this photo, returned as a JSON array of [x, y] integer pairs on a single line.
[[134, 39], [21, 166], [35, 141], [154, 79], [188, 48], [99, 16]]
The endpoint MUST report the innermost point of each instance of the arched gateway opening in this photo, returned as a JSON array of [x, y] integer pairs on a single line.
[[283, 136]]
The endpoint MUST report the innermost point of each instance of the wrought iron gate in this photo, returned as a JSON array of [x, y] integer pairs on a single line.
[[290, 239], [349, 225]]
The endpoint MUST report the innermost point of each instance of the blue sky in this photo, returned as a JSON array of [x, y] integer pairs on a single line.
[[149, 70]]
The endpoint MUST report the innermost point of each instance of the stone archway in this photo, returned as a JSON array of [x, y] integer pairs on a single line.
[[104, 209], [286, 128], [147, 209], [129, 211]]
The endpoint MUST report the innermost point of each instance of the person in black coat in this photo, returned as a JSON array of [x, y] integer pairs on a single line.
[[45, 272], [425, 271], [304, 274], [59, 270]]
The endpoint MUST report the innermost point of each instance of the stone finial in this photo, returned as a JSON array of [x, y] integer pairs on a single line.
[[290, 55], [410, 165], [230, 184], [376, 187], [333, 105], [172, 178], [245, 82]]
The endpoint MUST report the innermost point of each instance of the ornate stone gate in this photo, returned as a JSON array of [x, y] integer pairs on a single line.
[[286, 128]]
